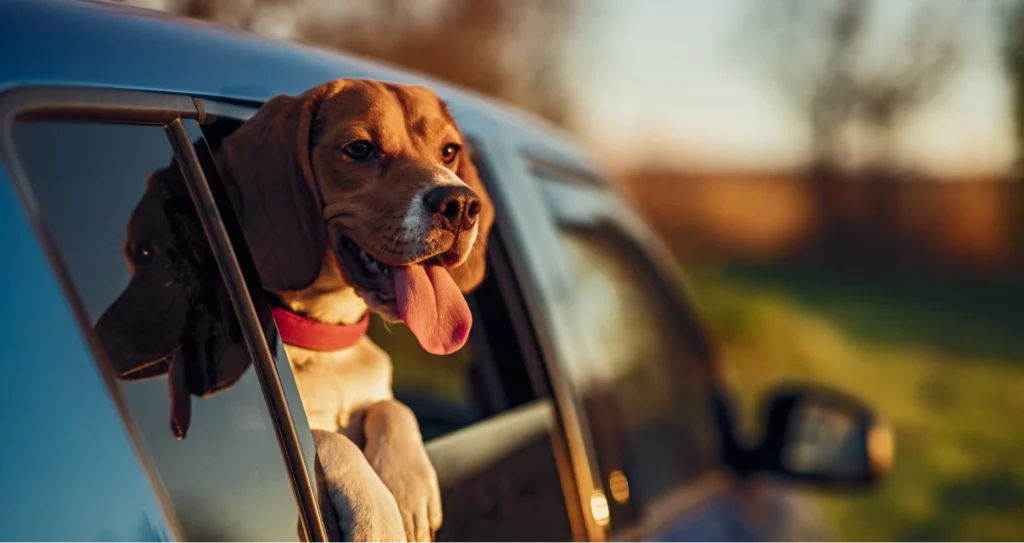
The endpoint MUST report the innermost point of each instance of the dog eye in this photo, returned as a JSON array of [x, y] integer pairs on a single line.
[[142, 253], [358, 150], [449, 152]]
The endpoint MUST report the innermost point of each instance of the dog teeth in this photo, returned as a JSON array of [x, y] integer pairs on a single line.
[[368, 261]]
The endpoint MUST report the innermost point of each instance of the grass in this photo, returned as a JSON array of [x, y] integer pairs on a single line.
[[942, 360]]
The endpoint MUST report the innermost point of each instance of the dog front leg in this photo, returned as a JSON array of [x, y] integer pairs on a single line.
[[363, 506], [395, 450]]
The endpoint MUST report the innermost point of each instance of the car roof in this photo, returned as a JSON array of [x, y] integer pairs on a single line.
[[112, 45]]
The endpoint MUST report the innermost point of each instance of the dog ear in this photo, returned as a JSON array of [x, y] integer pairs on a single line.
[[472, 272], [213, 355], [268, 168], [219, 355]]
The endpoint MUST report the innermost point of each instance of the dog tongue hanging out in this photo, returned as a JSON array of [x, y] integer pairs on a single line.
[[359, 196], [433, 307]]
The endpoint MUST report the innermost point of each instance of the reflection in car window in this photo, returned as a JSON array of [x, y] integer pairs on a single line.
[[653, 388], [115, 204]]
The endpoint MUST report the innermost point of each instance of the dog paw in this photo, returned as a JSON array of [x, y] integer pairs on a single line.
[[353, 497], [374, 516], [411, 478]]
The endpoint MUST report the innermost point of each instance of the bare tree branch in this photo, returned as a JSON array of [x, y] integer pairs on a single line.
[[817, 54], [511, 49]]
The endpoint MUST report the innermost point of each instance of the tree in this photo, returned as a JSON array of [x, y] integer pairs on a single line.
[[819, 56], [1013, 60]]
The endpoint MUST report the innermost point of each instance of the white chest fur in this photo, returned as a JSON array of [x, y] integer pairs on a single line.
[[336, 387]]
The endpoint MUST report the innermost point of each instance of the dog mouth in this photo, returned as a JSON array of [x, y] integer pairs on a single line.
[[421, 293], [372, 279]]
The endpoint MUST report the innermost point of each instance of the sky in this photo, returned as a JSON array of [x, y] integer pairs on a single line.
[[668, 81], [664, 80]]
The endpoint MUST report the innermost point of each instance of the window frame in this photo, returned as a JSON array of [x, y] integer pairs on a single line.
[[118, 106]]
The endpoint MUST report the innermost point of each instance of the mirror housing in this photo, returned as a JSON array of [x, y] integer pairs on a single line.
[[823, 437]]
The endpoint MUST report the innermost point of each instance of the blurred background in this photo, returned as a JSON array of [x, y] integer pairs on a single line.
[[839, 179]]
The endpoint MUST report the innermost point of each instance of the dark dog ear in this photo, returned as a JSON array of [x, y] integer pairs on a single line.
[[212, 359], [214, 354], [268, 168], [472, 272], [219, 356]]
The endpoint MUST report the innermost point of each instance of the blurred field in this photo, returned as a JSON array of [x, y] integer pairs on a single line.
[[942, 359], [965, 223]]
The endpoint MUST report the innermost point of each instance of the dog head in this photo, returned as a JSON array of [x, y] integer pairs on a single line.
[[371, 182], [174, 317]]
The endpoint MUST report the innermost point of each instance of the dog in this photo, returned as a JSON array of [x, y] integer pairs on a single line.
[[360, 196], [172, 318]]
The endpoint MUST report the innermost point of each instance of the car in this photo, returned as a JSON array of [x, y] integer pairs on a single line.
[[587, 404]]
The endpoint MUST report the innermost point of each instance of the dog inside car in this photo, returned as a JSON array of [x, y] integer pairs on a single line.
[[355, 196], [360, 196]]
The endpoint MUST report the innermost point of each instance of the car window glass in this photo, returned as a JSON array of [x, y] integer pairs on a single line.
[[653, 392], [127, 233]]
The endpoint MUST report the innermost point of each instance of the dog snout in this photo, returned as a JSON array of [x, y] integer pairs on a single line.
[[456, 207]]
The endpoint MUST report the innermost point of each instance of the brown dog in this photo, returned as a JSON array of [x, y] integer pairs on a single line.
[[359, 196]]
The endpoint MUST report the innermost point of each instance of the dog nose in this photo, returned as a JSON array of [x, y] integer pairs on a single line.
[[457, 207]]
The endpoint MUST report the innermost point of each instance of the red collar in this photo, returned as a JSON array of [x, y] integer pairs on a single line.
[[315, 335]]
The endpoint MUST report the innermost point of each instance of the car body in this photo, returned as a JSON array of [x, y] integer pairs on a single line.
[[531, 430]]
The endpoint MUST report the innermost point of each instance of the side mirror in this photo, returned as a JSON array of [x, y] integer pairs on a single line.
[[821, 436]]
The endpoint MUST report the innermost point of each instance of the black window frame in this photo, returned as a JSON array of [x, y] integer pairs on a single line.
[[171, 111]]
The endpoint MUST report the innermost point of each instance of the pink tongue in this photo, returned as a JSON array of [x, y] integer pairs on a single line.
[[433, 307]]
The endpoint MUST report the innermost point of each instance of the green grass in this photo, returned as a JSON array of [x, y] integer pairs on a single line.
[[942, 360]]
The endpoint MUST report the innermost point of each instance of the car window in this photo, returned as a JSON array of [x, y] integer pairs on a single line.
[[156, 310], [649, 406]]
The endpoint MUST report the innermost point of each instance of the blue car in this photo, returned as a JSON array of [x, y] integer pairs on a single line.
[[586, 405]]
